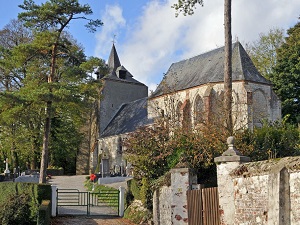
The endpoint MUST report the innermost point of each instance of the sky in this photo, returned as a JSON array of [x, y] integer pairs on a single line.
[[149, 38]]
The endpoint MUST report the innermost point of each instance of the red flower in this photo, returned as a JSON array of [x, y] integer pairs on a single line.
[[92, 177]]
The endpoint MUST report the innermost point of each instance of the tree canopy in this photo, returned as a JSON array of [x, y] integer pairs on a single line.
[[263, 51], [45, 79], [286, 76]]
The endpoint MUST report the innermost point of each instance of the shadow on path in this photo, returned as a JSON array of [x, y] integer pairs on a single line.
[[85, 220]]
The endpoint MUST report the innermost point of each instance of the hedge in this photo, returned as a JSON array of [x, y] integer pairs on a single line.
[[20, 202]]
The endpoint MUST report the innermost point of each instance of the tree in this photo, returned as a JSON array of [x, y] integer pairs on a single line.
[[12, 35], [263, 51], [50, 19], [187, 7], [286, 76]]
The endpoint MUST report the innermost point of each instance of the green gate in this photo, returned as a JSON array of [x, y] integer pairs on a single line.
[[75, 202]]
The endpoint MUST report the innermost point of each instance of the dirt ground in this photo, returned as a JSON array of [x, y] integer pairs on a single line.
[[83, 220]]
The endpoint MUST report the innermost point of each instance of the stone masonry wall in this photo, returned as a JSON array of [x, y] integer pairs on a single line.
[[251, 200], [264, 193], [170, 203], [295, 197], [162, 206]]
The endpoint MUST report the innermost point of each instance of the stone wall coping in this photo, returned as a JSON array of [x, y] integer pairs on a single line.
[[292, 164], [232, 158], [179, 170]]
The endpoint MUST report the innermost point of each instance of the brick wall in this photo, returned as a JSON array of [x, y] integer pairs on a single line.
[[251, 200], [265, 192]]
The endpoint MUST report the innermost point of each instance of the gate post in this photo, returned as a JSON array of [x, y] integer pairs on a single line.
[[181, 182], [53, 200], [227, 162], [121, 201]]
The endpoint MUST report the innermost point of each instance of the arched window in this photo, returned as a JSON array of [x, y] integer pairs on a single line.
[[178, 114], [198, 110], [217, 107], [259, 108], [186, 112]]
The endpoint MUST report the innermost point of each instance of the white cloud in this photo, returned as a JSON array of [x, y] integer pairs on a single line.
[[158, 39], [113, 23]]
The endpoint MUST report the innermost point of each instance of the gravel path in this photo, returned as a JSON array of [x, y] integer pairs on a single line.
[[65, 182], [77, 182]]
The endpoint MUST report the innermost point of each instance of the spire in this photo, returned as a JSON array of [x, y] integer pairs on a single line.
[[113, 61]]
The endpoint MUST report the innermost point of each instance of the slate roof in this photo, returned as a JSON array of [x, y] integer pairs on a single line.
[[209, 68], [115, 67], [129, 117], [128, 79], [113, 60]]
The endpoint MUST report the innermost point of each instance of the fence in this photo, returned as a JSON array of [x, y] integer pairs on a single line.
[[74, 202]]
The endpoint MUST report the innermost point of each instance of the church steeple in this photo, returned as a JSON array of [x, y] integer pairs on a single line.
[[113, 61]]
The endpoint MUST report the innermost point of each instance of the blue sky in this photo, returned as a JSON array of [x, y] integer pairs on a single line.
[[149, 38]]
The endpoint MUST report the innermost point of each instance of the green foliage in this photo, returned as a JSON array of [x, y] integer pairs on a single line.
[[65, 141], [19, 202], [54, 52], [134, 187], [44, 216], [263, 51], [186, 6], [146, 193], [270, 141], [105, 194], [147, 149], [54, 13], [97, 188], [16, 210], [137, 214], [153, 151], [286, 78], [27, 67]]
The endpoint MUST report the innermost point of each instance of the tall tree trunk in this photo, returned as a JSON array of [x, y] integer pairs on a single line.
[[45, 151], [14, 155], [228, 67]]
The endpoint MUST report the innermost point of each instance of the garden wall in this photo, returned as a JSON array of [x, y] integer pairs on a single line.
[[261, 193]]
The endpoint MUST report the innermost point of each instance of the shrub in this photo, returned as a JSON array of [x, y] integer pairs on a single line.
[[21, 201], [16, 210]]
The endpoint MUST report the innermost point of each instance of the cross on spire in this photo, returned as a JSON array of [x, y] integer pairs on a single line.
[[113, 41]]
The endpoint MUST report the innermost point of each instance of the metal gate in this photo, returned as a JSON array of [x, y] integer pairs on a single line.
[[75, 202]]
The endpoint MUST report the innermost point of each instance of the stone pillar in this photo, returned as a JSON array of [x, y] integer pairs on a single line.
[[180, 184], [229, 160], [121, 201], [53, 200]]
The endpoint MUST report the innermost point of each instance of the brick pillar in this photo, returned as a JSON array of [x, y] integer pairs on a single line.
[[229, 160], [180, 184]]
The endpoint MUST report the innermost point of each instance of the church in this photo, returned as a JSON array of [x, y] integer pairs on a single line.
[[191, 91]]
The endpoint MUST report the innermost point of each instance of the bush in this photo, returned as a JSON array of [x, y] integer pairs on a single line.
[[16, 210], [146, 193], [137, 213], [44, 213], [134, 188], [21, 201], [270, 141]]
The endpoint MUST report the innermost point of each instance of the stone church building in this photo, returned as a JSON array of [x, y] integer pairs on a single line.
[[190, 93]]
